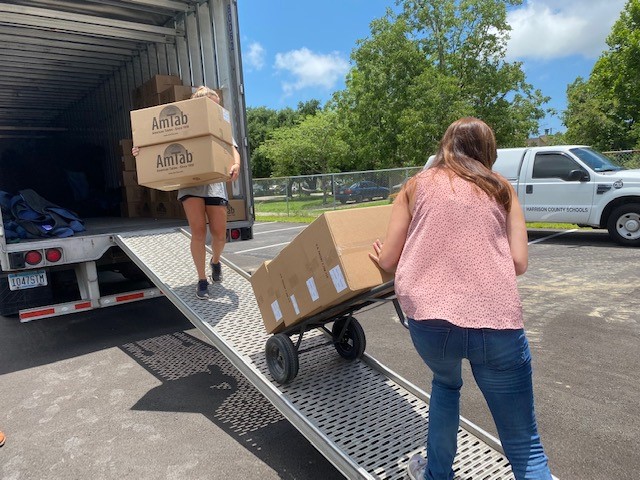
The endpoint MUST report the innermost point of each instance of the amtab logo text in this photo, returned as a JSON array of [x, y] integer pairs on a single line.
[[170, 116], [174, 155]]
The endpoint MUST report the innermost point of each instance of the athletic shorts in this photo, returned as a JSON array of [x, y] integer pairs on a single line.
[[215, 201]]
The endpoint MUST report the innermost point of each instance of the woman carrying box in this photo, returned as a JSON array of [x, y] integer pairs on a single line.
[[202, 204]]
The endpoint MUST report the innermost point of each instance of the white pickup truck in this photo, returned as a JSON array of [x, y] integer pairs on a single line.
[[574, 184]]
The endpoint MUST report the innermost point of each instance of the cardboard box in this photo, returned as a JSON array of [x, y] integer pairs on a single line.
[[236, 210], [159, 83], [126, 144], [128, 162], [195, 161], [132, 210], [129, 178], [179, 121], [271, 298], [328, 262], [135, 193], [176, 93], [162, 196]]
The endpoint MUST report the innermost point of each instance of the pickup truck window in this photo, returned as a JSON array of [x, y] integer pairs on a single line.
[[596, 161], [553, 165]]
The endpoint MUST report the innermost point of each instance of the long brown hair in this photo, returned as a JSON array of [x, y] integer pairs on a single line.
[[468, 150]]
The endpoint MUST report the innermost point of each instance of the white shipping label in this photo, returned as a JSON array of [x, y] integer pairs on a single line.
[[338, 278], [313, 291], [275, 308], [295, 304], [226, 116]]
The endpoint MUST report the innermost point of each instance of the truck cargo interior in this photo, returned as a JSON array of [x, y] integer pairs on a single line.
[[72, 72]]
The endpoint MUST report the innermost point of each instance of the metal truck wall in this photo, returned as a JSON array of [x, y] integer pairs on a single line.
[[107, 51]]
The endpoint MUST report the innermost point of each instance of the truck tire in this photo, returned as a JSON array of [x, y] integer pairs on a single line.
[[624, 225]]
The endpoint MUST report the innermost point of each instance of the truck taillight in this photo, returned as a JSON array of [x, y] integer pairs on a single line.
[[235, 233], [33, 257], [53, 255]]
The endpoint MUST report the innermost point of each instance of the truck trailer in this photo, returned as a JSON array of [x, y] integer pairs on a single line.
[[72, 72]]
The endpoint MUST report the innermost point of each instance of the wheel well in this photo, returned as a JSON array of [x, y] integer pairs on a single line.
[[604, 218]]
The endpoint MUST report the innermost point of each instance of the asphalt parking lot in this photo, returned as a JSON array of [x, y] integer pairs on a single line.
[[135, 392]]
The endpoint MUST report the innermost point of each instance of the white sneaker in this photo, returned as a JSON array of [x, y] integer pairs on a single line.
[[416, 467]]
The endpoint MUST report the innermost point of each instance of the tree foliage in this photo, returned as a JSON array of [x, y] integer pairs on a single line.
[[604, 110], [313, 146], [262, 122], [423, 66], [429, 64]]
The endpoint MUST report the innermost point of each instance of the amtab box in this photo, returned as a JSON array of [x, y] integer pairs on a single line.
[[179, 121], [185, 163]]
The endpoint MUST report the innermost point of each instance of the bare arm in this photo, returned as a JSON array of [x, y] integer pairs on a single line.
[[517, 235], [389, 256], [234, 171]]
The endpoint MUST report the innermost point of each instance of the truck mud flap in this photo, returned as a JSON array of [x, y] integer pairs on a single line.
[[365, 419]]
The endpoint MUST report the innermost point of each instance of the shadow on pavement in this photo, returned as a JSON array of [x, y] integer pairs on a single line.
[[195, 376]]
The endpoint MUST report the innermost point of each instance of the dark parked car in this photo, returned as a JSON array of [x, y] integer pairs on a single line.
[[361, 191]]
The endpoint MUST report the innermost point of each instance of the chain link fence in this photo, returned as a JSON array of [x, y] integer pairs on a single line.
[[310, 195], [626, 158]]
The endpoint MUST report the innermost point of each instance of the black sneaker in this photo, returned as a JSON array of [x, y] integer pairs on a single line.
[[216, 272], [202, 292]]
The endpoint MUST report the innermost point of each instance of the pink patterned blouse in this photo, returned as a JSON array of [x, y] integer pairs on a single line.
[[456, 264]]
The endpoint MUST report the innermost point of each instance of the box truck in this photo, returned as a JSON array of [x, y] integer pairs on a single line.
[[72, 73]]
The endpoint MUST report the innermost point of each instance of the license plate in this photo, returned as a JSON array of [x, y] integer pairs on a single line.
[[20, 281]]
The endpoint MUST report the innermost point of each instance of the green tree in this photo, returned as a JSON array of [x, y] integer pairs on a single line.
[[427, 65], [377, 93], [604, 110], [263, 121], [312, 147]]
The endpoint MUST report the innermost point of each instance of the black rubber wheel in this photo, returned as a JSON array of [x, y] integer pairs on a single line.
[[353, 342], [359, 199], [282, 358], [624, 225]]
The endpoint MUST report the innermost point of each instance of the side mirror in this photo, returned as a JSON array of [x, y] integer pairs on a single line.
[[578, 175]]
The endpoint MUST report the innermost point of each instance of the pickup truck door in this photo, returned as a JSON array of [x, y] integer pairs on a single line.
[[552, 191]]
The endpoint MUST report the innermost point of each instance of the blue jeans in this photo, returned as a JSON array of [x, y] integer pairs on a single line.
[[501, 365]]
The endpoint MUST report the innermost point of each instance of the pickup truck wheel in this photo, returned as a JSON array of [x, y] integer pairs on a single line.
[[624, 225]]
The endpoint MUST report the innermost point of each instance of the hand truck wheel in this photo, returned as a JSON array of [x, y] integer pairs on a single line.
[[351, 343], [282, 358]]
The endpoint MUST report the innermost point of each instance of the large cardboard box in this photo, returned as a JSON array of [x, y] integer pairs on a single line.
[[328, 262], [135, 193], [236, 210], [195, 161], [179, 121], [133, 209], [176, 93], [129, 178], [271, 298], [128, 162], [159, 83]]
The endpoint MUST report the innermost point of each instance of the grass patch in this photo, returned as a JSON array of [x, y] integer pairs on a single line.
[[556, 226], [308, 206]]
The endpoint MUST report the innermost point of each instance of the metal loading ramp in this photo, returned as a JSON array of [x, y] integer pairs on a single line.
[[363, 418]]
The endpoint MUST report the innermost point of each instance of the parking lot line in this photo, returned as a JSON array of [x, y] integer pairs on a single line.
[[279, 230], [538, 240], [262, 248]]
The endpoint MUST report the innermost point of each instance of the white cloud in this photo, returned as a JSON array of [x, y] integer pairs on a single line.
[[255, 56], [310, 69], [549, 29]]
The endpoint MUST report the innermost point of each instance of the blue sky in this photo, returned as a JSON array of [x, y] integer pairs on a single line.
[[295, 51]]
